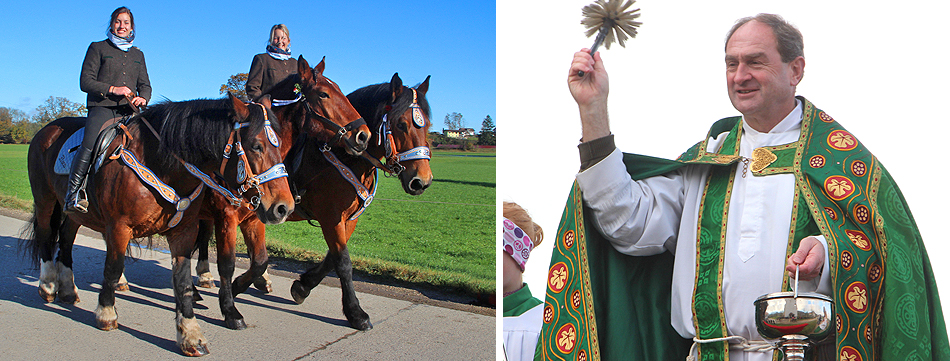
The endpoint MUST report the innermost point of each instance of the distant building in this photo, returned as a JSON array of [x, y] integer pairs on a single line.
[[458, 133]]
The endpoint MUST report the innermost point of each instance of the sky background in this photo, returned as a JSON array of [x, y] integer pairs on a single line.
[[878, 68], [192, 47]]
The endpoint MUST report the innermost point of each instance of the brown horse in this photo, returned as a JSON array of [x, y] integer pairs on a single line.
[[399, 117], [321, 101], [185, 148]]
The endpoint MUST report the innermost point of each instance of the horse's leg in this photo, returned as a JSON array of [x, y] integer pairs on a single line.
[[117, 241], [123, 284], [203, 268], [46, 222], [263, 283], [300, 289], [226, 239], [351, 305], [68, 293], [189, 338], [254, 233]]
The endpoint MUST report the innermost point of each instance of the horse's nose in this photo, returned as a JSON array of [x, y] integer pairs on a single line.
[[362, 140], [281, 211], [417, 185]]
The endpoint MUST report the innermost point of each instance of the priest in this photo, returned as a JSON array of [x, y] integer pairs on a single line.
[[681, 248]]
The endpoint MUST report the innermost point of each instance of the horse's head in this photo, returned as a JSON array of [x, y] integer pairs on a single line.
[[255, 167], [338, 122], [401, 125]]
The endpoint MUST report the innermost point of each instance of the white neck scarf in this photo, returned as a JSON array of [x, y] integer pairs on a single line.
[[123, 44]]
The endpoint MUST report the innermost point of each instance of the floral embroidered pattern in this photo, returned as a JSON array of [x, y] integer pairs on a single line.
[[566, 338], [817, 161], [862, 214], [857, 297], [548, 313], [576, 299], [875, 272], [858, 168], [842, 140], [557, 277], [825, 117], [831, 213], [847, 260], [839, 187], [849, 353], [582, 355], [859, 239], [569, 238]]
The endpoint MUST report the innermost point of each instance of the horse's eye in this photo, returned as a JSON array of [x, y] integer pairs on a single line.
[[258, 148], [402, 126], [324, 95]]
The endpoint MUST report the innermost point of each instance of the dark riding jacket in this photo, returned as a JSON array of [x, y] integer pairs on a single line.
[[106, 65], [266, 72]]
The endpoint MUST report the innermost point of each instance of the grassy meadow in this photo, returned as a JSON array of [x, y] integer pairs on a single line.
[[444, 237]]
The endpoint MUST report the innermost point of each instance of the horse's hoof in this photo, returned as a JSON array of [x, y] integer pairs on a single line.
[[361, 323], [122, 287], [262, 285], [205, 280], [195, 351], [299, 292], [70, 299], [235, 323], [107, 325], [46, 296]]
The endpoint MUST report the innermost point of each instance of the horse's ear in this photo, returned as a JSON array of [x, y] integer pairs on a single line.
[[239, 107], [395, 87], [303, 68], [424, 87], [319, 68]]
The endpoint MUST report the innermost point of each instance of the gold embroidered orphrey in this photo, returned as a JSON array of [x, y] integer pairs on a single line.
[[762, 158]]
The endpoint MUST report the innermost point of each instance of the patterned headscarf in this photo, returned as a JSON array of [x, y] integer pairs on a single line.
[[516, 243]]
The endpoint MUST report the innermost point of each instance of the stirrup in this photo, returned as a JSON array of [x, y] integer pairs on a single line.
[[79, 202]]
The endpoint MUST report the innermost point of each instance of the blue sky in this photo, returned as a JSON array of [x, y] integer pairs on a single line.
[[192, 47]]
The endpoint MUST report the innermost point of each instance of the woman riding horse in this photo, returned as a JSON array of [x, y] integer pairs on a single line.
[[111, 66]]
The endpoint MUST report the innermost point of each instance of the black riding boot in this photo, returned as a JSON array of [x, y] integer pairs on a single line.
[[76, 197]]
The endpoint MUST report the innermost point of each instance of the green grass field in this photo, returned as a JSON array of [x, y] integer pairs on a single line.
[[444, 237]]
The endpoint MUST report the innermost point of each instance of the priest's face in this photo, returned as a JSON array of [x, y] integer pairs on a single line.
[[760, 85]]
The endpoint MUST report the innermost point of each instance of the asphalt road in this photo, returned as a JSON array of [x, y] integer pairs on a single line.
[[406, 325]]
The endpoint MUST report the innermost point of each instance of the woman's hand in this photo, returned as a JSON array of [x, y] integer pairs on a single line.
[[121, 90], [138, 101]]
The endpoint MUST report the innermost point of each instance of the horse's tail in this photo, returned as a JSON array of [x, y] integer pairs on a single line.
[[28, 246]]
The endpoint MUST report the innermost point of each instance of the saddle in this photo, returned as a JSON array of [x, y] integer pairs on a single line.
[[110, 130]]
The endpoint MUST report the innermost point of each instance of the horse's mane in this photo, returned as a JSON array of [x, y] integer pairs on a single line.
[[372, 100], [195, 130]]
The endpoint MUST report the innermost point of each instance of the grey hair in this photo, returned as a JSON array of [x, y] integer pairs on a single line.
[[789, 40], [281, 27]]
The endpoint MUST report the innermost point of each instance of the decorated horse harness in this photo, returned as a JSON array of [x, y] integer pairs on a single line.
[[245, 176]]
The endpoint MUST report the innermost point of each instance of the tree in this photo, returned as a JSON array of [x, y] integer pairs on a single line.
[[487, 135], [454, 121], [55, 108], [9, 117], [235, 85]]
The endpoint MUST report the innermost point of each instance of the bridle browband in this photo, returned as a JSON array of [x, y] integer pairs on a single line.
[[392, 167]]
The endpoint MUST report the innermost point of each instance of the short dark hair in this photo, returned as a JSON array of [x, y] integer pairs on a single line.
[[120, 10], [789, 40]]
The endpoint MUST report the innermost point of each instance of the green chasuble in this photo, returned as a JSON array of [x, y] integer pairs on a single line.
[[601, 304]]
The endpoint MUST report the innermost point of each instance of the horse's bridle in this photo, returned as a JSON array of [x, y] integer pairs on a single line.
[[245, 176], [340, 131], [392, 166]]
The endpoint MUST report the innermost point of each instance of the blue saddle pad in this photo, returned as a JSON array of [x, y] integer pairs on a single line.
[[64, 160]]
